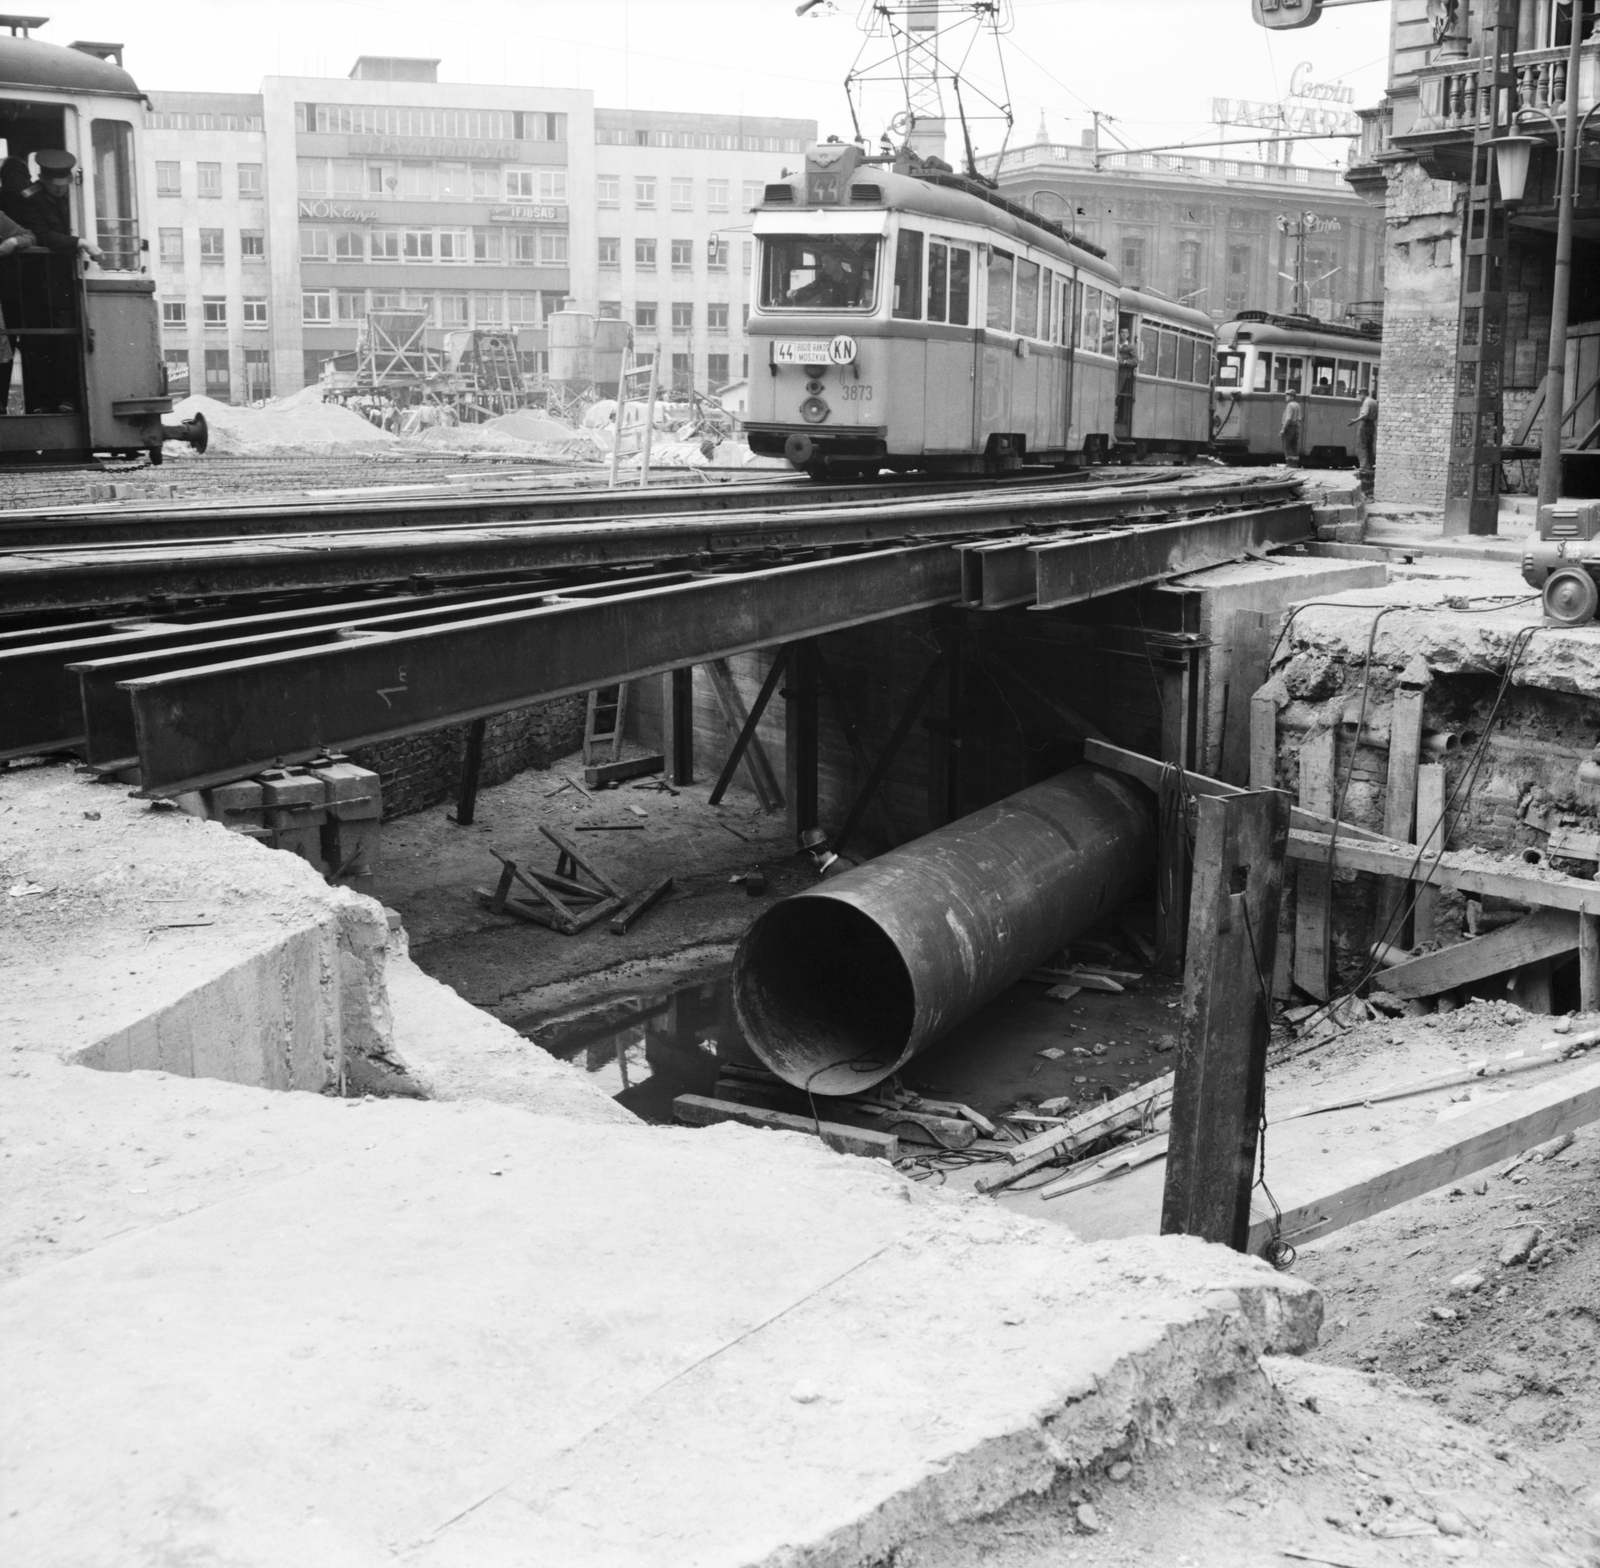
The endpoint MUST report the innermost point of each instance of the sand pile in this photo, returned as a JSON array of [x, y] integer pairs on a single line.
[[300, 423], [528, 424]]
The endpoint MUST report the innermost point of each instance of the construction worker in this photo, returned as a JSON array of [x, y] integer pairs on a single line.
[[1366, 423], [1291, 430]]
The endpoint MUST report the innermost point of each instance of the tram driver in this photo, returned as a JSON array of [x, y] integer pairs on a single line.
[[826, 273]]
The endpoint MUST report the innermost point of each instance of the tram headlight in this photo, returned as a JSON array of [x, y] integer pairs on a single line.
[[814, 410]]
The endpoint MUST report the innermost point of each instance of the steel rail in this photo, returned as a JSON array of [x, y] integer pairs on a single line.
[[90, 577]]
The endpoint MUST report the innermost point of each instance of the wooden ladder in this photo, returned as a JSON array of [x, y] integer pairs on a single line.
[[604, 723]]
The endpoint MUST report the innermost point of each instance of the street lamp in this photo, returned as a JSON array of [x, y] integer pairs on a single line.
[[1511, 157]]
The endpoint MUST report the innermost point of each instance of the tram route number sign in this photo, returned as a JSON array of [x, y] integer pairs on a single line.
[[814, 351], [1285, 13]]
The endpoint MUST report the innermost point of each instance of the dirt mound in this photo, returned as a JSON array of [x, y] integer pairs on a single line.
[[526, 424], [289, 425]]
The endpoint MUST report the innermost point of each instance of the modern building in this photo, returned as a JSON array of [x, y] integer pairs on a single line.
[[1466, 348], [1217, 234], [283, 217]]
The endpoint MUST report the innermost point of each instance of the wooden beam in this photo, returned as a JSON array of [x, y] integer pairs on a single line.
[[598, 773], [677, 724], [639, 905], [471, 767], [1400, 796], [1344, 1191], [698, 1110], [747, 747], [1430, 832], [1264, 736], [1589, 963], [1251, 634], [1226, 1021], [1504, 879], [1546, 934], [1313, 886], [576, 856]]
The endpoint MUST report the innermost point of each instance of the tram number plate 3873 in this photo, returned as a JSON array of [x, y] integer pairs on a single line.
[[814, 351]]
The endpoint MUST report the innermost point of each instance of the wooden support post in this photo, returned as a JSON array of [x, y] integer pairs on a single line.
[[677, 724], [471, 767], [747, 747], [1312, 882], [1174, 666], [1589, 963], [1251, 634], [1400, 799], [1533, 988], [1430, 817], [800, 736], [1264, 706], [1221, 1077]]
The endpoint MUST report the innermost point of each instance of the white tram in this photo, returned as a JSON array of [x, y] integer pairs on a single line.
[[1262, 358], [918, 320]]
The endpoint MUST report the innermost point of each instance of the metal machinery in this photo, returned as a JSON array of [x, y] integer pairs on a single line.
[[1262, 358], [912, 318], [86, 333], [1565, 564]]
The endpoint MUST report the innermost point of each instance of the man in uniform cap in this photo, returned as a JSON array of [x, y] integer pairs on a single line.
[[51, 368]]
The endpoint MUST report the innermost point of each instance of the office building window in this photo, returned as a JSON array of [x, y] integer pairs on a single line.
[[253, 244], [682, 318], [171, 247], [644, 254], [488, 245], [255, 312], [452, 310], [174, 313], [521, 184], [176, 361], [208, 180], [717, 253], [1133, 260], [525, 245], [384, 244], [419, 244], [219, 379], [169, 179], [1238, 293], [414, 299], [214, 310], [716, 318], [351, 304], [455, 245], [211, 245], [644, 315], [552, 185], [257, 374], [314, 245], [522, 309], [349, 177], [682, 374], [716, 370], [610, 251], [683, 254], [744, 317], [417, 180], [487, 310], [1188, 269], [644, 190], [608, 190], [316, 305], [349, 245], [250, 179], [552, 247], [312, 174], [752, 193], [611, 310], [717, 195], [747, 253], [682, 195]]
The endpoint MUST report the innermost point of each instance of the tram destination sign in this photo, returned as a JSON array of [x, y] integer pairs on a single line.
[[814, 351]]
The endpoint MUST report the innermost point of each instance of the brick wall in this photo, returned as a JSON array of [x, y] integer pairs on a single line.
[[422, 770]]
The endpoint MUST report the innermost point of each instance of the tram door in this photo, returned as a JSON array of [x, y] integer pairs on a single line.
[[952, 371], [1127, 373]]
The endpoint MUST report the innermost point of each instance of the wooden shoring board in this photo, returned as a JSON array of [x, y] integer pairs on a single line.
[[568, 925], [1543, 935], [698, 1110], [1250, 635], [1313, 886], [1400, 797], [1361, 1185], [510, 869], [639, 905], [576, 856], [763, 780], [1430, 832]]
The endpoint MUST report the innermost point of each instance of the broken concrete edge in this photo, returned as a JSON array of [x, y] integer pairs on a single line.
[[1161, 1390]]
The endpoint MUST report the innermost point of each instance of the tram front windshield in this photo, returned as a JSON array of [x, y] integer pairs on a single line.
[[1230, 367], [819, 271]]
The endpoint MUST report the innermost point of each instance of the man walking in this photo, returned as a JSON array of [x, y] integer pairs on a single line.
[[1291, 430], [1366, 423]]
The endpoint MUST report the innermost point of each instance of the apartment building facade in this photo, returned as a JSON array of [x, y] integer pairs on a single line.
[[283, 217]]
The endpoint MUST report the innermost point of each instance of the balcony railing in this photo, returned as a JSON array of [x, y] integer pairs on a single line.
[[1057, 154], [1454, 94]]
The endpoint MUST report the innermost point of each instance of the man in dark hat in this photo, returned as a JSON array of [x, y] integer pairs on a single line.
[[50, 291]]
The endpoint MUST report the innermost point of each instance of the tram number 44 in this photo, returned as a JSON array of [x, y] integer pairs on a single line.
[[814, 351]]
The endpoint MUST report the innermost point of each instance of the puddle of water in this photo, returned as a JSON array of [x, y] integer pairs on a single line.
[[647, 1049]]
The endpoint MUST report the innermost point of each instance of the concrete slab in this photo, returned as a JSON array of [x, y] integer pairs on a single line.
[[256, 1328]]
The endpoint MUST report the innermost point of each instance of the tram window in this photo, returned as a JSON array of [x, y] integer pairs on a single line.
[[1167, 369], [907, 303], [938, 279], [1025, 321], [1108, 325], [1230, 368], [1202, 363], [1046, 302], [1361, 378], [116, 217], [1263, 376], [1322, 375], [1149, 349], [819, 271], [1089, 336], [1002, 265], [960, 286], [1373, 389], [1288, 373], [1344, 381], [1186, 346]]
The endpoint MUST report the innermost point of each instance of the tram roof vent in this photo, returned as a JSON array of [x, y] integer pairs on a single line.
[[778, 193], [866, 193]]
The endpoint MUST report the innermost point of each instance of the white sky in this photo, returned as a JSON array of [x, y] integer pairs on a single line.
[[1154, 64]]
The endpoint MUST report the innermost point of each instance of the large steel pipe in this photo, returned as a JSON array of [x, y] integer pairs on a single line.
[[841, 985]]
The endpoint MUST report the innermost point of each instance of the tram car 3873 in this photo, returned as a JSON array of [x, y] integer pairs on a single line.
[[1262, 358], [906, 317], [82, 323]]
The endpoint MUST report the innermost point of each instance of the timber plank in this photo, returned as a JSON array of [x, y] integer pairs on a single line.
[[1400, 796], [1362, 1185], [1546, 934], [698, 1110], [1430, 834], [599, 773], [1313, 886]]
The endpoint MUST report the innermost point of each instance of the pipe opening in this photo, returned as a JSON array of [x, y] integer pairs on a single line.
[[823, 996]]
